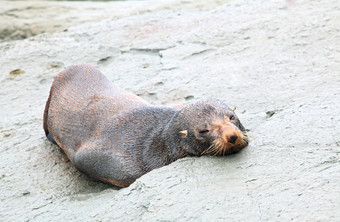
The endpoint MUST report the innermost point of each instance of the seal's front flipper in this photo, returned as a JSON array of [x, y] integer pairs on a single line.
[[102, 165]]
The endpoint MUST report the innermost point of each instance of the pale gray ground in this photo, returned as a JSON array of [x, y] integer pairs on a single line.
[[277, 61]]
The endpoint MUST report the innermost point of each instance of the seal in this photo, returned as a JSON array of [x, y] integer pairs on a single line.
[[116, 137]]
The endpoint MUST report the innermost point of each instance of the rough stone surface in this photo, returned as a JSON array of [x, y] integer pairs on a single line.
[[23, 19], [277, 61]]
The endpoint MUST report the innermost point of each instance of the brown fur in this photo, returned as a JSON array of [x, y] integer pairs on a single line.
[[116, 136]]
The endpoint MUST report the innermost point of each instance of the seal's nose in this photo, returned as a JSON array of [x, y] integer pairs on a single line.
[[232, 139]]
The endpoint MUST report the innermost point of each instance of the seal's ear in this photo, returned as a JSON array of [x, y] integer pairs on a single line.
[[234, 108], [183, 133]]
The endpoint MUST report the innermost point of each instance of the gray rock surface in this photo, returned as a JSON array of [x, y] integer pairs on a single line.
[[23, 19], [277, 61]]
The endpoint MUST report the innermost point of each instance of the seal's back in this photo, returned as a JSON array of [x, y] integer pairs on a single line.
[[78, 100]]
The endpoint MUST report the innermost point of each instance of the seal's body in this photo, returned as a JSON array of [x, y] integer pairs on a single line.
[[116, 136]]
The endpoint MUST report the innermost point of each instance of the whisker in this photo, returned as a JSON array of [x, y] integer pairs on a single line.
[[219, 148], [213, 150], [207, 150]]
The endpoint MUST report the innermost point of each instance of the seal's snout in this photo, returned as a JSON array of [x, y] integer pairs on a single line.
[[232, 139], [229, 133], [227, 139]]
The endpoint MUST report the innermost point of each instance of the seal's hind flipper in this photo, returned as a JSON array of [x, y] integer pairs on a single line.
[[50, 138], [45, 125]]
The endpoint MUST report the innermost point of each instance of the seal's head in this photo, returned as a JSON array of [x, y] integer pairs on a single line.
[[210, 127]]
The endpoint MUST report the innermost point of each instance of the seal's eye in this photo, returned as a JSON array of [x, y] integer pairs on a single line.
[[203, 132], [232, 117]]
